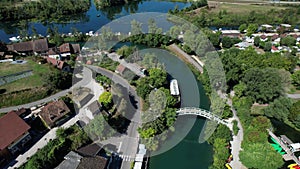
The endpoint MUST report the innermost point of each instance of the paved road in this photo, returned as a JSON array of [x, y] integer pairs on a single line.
[[127, 144], [177, 50], [86, 79], [293, 96], [236, 143], [86, 82], [131, 66]]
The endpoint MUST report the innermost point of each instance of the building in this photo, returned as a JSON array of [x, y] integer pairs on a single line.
[[71, 160], [90, 150], [53, 53], [120, 69], [95, 108], [22, 112], [82, 96], [231, 33], [96, 162], [39, 46], [13, 135], [266, 28], [74, 160], [67, 49], [59, 64], [139, 158], [53, 112]]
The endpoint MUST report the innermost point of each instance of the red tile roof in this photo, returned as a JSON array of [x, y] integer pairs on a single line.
[[11, 128], [121, 68], [65, 48], [58, 63], [54, 111]]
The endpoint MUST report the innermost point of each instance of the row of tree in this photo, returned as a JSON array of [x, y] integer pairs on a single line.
[[43, 9]]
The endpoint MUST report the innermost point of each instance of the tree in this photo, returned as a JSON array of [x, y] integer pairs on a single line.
[[263, 85], [214, 38], [279, 109], [152, 27], [256, 41], [294, 115], [296, 79], [136, 27], [254, 156], [243, 27], [105, 98], [252, 28], [58, 80], [268, 46], [288, 41], [227, 42], [158, 77]]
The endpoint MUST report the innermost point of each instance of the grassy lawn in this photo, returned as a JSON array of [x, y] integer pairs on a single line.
[[257, 109], [36, 80], [244, 8], [28, 89], [7, 68]]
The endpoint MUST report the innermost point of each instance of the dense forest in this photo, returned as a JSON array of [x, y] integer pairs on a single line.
[[43, 10]]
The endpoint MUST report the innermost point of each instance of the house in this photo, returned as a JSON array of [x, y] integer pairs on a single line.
[[53, 53], [39, 46], [59, 64], [76, 48], [71, 160], [120, 69], [65, 49], [53, 112], [13, 135], [74, 160], [263, 37], [266, 28], [242, 45], [22, 112], [90, 150], [82, 96], [96, 162], [231, 33], [95, 108], [274, 49]]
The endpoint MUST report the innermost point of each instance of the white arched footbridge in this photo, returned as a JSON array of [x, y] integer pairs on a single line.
[[201, 112]]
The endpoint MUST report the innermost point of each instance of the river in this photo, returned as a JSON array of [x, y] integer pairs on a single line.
[[90, 21], [187, 152], [181, 150]]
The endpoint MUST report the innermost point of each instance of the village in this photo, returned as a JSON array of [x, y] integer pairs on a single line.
[[32, 127]]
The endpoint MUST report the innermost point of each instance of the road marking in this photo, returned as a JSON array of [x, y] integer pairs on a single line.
[[120, 147]]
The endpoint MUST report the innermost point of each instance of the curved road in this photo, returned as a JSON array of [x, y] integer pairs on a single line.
[[127, 143]]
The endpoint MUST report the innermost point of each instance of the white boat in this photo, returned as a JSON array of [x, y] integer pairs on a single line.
[[174, 87], [14, 39]]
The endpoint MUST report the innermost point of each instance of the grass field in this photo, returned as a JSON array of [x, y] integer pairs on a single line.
[[7, 68], [244, 8], [36, 80]]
